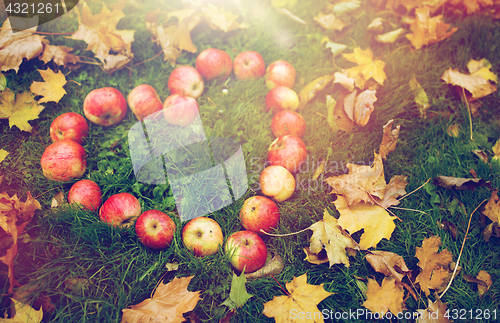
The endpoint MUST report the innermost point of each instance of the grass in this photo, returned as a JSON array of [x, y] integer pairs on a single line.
[[116, 271]]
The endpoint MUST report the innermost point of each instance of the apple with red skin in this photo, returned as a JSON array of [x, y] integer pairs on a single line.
[[155, 229], [186, 81], [281, 98], [246, 250], [287, 122], [249, 65], [214, 64], [203, 236], [120, 209], [69, 125], [64, 160], [86, 193], [105, 106], [280, 73], [287, 151], [180, 110], [143, 101], [259, 213], [277, 182]]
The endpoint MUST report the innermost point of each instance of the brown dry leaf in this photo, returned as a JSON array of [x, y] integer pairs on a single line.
[[100, 33], [389, 139], [492, 208], [58, 200], [309, 91], [349, 104], [8, 259], [456, 183], [273, 266], [329, 21], [485, 277], [52, 89], [59, 54], [431, 262], [386, 297], [367, 67], [375, 220], [388, 263], [472, 6], [481, 155], [427, 30], [394, 189], [14, 47], [168, 303], [19, 110], [363, 107], [340, 117], [435, 313], [328, 235], [302, 298]]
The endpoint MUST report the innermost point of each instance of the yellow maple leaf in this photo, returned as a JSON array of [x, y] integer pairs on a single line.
[[431, 262], [477, 85], [19, 110], [375, 220], [492, 208], [167, 304], [302, 298], [367, 67], [52, 89], [328, 235], [386, 297], [427, 30], [15, 46], [24, 314]]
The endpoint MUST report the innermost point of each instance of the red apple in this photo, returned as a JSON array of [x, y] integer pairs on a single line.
[[121, 208], [180, 110], [259, 213], [203, 236], [280, 73], [186, 81], [249, 65], [287, 151], [213, 64], [105, 106], [87, 193], [155, 229], [64, 160], [69, 125], [281, 98], [277, 182], [143, 101], [287, 122], [246, 250]]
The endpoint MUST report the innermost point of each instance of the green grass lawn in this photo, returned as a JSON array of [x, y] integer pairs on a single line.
[[116, 271]]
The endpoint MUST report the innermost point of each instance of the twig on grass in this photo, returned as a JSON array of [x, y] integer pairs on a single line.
[[283, 235]]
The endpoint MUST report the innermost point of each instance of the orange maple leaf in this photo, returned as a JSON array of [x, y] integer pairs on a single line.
[[386, 297], [427, 30], [167, 304]]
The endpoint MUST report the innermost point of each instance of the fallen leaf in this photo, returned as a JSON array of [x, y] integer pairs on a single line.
[[376, 25], [24, 313], [273, 266], [219, 19], [15, 46], [335, 47], [349, 104], [461, 184], [19, 110], [3, 154], [309, 91], [344, 80], [329, 21], [345, 6], [472, 6], [31, 294], [317, 172], [421, 98], [386, 297], [367, 67], [168, 303], [481, 155], [389, 139], [172, 266], [432, 263], [453, 130], [59, 54], [58, 200], [52, 89], [76, 284], [287, 13], [389, 37], [388, 263], [363, 107], [394, 189], [475, 84], [8, 259], [3, 82], [435, 312], [342, 120], [227, 317], [427, 30], [302, 298], [238, 295], [330, 117], [375, 220], [328, 235], [485, 277], [492, 208]]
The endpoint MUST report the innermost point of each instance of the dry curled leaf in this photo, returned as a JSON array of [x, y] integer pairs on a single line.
[[168, 303], [388, 263], [309, 91], [476, 85], [389, 139], [389, 37], [19, 109], [435, 312], [273, 266], [461, 184], [59, 54], [363, 107]]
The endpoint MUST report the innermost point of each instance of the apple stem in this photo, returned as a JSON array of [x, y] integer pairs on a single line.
[[283, 235]]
